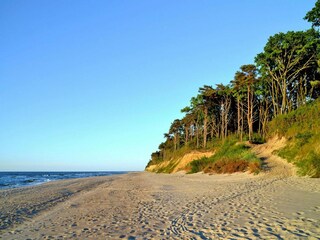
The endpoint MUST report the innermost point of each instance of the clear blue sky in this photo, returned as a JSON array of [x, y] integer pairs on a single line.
[[93, 85]]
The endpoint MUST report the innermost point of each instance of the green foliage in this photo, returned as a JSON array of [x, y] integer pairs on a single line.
[[304, 120], [199, 165], [156, 158], [313, 15], [289, 60], [230, 157], [310, 165], [302, 129], [257, 139]]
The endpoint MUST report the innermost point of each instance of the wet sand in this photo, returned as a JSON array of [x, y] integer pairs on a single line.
[[272, 205]]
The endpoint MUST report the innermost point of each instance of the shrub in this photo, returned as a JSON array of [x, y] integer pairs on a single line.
[[198, 165], [230, 157], [257, 139], [227, 166], [254, 167], [303, 138]]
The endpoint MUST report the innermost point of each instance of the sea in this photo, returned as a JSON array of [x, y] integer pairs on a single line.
[[24, 179]]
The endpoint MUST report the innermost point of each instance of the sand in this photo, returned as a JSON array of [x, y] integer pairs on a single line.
[[272, 205]]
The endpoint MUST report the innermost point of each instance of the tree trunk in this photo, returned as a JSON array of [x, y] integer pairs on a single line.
[[186, 134], [238, 116], [212, 127], [197, 134], [175, 141], [222, 121], [205, 123], [249, 111], [242, 122]]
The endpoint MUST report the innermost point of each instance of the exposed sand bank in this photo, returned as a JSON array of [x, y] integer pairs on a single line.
[[180, 163], [272, 205]]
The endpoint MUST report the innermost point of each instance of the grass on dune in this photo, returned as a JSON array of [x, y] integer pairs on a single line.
[[302, 129], [230, 157]]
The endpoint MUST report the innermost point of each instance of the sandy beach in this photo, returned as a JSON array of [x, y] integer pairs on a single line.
[[271, 205]]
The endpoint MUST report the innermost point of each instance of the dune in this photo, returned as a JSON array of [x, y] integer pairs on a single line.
[[181, 163]]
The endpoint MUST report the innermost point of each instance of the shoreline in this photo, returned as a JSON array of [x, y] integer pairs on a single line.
[[21, 204], [49, 176], [144, 205]]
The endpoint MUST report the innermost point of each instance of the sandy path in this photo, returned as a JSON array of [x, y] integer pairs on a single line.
[[272, 205]]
